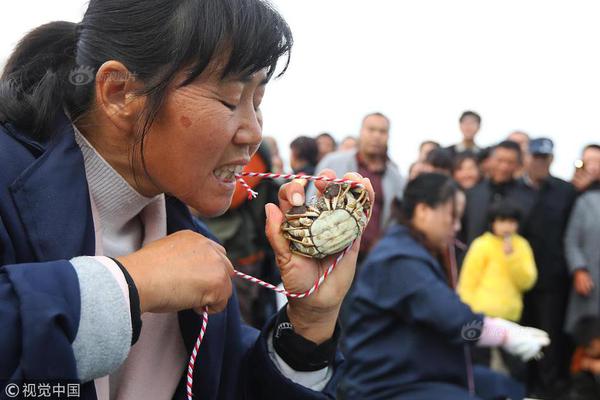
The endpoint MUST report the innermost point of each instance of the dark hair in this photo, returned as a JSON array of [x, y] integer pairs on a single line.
[[435, 144], [306, 149], [503, 210], [54, 66], [470, 114], [440, 159], [484, 154], [587, 329], [462, 157], [328, 136], [377, 114], [592, 146], [510, 145], [431, 189]]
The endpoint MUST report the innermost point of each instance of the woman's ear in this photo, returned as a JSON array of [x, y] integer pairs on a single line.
[[116, 96]]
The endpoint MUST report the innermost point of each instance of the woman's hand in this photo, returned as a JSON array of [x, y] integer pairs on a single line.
[[181, 271], [583, 282], [315, 316]]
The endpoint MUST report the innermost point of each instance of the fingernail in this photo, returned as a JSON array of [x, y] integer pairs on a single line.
[[297, 200], [267, 210]]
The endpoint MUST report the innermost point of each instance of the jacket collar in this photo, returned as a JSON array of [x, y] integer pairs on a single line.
[[52, 198]]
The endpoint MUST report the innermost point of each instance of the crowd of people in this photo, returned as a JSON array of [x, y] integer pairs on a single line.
[[524, 250]]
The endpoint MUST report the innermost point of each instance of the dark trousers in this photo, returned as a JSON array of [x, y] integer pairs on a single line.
[[546, 309]]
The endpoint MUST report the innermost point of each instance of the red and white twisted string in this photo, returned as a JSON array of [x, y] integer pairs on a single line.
[[251, 195]]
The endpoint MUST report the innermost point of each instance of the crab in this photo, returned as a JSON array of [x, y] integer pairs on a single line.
[[330, 224]]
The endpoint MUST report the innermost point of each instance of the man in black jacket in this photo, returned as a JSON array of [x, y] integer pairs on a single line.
[[550, 202], [501, 184]]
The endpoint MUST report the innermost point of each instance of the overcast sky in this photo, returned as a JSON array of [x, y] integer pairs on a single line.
[[532, 65]]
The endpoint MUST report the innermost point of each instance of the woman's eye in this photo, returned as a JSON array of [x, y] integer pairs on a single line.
[[231, 107]]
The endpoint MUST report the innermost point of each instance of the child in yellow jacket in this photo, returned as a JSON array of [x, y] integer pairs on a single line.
[[499, 267]]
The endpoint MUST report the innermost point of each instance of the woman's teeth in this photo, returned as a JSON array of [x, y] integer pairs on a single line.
[[228, 173]]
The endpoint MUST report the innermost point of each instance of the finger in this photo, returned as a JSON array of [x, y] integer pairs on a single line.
[[321, 185], [213, 308], [291, 195], [365, 182], [219, 298], [217, 247], [279, 244], [227, 263], [217, 307]]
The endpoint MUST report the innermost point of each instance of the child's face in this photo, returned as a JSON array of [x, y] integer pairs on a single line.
[[505, 227], [593, 349]]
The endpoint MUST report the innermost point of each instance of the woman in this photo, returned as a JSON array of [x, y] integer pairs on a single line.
[[108, 127], [407, 328], [583, 258], [466, 171]]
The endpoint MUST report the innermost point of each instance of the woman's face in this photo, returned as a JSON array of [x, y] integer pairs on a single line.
[[436, 223], [467, 175], [205, 133]]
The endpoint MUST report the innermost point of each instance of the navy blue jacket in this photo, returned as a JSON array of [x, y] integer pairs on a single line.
[[45, 220], [407, 329]]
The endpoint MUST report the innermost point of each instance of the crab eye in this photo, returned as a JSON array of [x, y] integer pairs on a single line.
[[297, 210], [331, 191]]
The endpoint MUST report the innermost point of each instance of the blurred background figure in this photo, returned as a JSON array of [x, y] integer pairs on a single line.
[[326, 144], [550, 201], [583, 257], [371, 161], [499, 266], [276, 161], [438, 160], [417, 168], [484, 160], [587, 170], [304, 155], [498, 269], [465, 171], [501, 184], [585, 380], [349, 143], [470, 123], [425, 148], [404, 313], [241, 230], [522, 139]]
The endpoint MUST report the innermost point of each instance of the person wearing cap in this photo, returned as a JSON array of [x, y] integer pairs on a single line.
[[550, 201]]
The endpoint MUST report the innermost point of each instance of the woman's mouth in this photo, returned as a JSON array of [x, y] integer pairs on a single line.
[[228, 173]]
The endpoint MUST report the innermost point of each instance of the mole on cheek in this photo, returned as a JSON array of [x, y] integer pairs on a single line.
[[185, 121]]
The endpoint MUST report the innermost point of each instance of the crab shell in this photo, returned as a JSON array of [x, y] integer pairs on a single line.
[[331, 224]]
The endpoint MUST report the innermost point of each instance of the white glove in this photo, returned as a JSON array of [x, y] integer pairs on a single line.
[[522, 341]]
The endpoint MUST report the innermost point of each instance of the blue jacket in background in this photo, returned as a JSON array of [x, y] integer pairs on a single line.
[[45, 220], [407, 330]]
